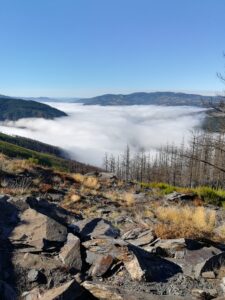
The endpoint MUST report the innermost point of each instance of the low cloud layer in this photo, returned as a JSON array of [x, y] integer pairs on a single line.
[[90, 131]]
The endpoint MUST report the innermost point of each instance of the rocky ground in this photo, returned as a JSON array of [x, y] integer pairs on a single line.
[[68, 236]]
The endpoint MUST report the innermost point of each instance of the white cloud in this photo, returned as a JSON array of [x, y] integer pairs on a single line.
[[90, 131]]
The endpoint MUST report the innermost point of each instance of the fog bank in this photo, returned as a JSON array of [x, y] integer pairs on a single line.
[[90, 131]]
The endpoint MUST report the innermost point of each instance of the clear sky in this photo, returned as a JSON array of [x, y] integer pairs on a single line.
[[89, 47]]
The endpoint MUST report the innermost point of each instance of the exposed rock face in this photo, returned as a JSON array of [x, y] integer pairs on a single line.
[[38, 231], [70, 253]]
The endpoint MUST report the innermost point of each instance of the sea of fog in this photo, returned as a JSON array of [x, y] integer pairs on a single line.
[[90, 131]]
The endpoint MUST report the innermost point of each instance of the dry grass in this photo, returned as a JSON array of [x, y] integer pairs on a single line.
[[185, 222], [18, 188], [91, 183], [78, 177], [87, 181], [112, 195], [129, 198]]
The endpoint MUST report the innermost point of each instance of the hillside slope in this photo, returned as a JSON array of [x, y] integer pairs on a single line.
[[15, 109], [44, 154]]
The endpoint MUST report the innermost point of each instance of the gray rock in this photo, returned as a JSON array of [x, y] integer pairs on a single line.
[[31, 295], [47, 231], [33, 275], [70, 253], [68, 291], [140, 264], [106, 292], [53, 211], [94, 228], [209, 275], [178, 196], [212, 264], [139, 236], [101, 265]]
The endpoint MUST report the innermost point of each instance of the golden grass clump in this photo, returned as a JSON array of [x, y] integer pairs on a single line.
[[78, 177], [91, 182], [185, 222], [129, 198], [87, 181]]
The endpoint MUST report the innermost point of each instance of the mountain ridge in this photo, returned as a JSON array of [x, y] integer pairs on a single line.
[[153, 98]]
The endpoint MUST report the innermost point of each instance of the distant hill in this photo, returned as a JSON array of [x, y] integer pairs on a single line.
[[156, 98], [14, 109]]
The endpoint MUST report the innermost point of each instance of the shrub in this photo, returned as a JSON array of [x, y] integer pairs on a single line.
[[210, 195], [163, 187]]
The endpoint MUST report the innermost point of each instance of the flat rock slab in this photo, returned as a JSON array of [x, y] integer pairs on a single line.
[[104, 292], [68, 291], [139, 236], [37, 230], [93, 228], [39, 261]]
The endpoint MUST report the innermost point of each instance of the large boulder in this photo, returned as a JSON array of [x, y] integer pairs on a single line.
[[70, 253], [53, 211], [38, 231]]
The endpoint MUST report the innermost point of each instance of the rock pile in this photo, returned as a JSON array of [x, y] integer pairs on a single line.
[[49, 253]]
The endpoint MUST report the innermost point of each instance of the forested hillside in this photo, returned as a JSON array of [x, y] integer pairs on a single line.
[[15, 109]]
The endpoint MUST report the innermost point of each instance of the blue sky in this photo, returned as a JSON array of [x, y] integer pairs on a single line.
[[81, 48]]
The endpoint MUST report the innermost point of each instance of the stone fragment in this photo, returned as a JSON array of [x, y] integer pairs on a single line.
[[101, 265], [31, 295], [70, 253], [209, 275], [33, 275]]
